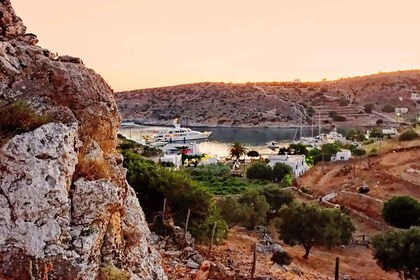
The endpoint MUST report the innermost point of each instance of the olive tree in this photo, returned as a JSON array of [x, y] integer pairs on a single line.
[[308, 225]]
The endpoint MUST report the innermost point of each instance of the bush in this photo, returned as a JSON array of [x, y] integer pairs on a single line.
[[257, 208], [388, 109], [280, 170], [110, 272], [202, 230], [153, 183], [281, 257], [369, 108], [358, 152], [402, 212], [343, 102], [408, 135], [259, 170], [232, 211], [340, 119], [276, 197], [19, 117]]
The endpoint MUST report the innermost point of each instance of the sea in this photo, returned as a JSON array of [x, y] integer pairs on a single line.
[[222, 137]]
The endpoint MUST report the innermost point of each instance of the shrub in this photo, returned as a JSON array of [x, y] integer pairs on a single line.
[[339, 119], [202, 230], [232, 211], [388, 109], [408, 135], [343, 102], [369, 108], [19, 117], [110, 272], [402, 212], [358, 152], [281, 257], [92, 169], [280, 170], [257, 206], [153, 183], [259, 170], [276, 197]]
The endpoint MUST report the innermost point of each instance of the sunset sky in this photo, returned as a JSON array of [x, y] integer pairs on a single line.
[[148, 43]]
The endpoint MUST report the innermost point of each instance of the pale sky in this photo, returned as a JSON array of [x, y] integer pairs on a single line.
[[149, 43]]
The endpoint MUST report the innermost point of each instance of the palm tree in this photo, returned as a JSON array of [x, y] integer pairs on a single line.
[[237, 150]]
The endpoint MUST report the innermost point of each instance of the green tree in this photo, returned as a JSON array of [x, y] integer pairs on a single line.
[[232, 211], [402, 212], [279, 171], [353, 134], [257, 208], [297, 149], [277, 197], [259, 170], [253, 154], [399, 251], [237, 149], [309, 225], [376, 133]]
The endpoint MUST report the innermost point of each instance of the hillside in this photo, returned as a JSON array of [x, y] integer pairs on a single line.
[[276, 103]]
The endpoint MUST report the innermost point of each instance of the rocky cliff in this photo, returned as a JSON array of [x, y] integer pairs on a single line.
[[66, 211]]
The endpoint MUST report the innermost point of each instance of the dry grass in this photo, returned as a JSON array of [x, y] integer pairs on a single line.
[[19, 117], [110, 272], [93, 169]]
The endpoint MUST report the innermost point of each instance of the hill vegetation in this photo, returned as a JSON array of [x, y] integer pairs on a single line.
[[354, 101]]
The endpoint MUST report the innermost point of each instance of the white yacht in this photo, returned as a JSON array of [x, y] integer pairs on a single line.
[[178, 133]]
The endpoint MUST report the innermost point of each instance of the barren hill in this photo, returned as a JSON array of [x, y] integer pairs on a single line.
[[277, 103]]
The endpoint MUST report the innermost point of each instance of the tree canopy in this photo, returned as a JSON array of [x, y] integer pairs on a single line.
[[309, 225], [399, 251], [402, 212]]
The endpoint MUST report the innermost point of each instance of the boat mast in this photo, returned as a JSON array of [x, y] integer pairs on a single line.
[[312, 126], [319, 123]]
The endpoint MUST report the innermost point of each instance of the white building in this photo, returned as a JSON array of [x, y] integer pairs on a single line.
[[401, 110], [175, 159], [296, 162], [415, 96], [389, 131], [342, 155]]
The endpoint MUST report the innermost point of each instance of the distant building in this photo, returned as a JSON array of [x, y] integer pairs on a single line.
[[389, 132], [175, 159], [415, 96], [296, 162], [342, 155], [401, 111]]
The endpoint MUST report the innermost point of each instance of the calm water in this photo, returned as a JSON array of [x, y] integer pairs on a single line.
[[222, 137]]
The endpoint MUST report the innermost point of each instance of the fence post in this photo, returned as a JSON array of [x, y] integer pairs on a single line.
[[186, 227], [212, 237], [337, 268], [254, 262], [163, 211]]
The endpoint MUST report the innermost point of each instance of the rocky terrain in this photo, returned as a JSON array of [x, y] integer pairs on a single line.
[[276, 104], [66, 211]]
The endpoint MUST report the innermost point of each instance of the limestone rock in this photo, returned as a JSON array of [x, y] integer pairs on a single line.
[[66, 210]]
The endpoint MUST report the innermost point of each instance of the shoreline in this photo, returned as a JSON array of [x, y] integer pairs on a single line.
[[200, 125]]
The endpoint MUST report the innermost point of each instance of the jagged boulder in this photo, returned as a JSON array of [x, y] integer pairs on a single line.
[[66, 210]]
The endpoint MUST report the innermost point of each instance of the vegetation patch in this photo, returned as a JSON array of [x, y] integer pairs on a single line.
[[19, 117]]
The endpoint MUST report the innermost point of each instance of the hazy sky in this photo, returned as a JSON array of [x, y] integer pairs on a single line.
[[148, 43]]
